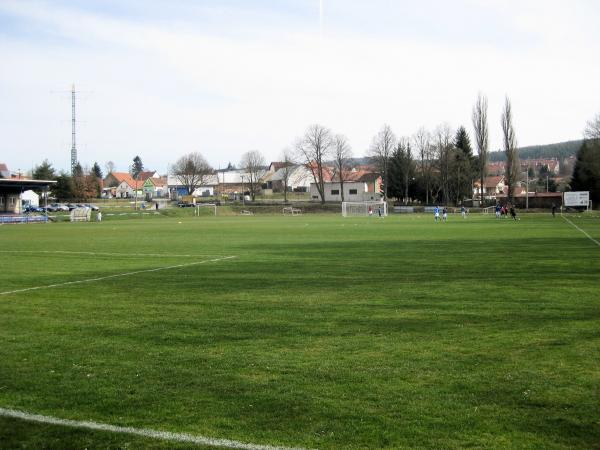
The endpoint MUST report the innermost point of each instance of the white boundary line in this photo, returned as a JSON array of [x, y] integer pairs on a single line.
[[89, 280], [583, 231], [145, 432], [68, 252]]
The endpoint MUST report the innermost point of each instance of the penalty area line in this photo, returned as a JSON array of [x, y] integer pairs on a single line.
[[583, 231], [144, 432], [118, 275]]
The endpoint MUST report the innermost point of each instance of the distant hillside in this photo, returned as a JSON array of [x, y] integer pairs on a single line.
[[560, 150]]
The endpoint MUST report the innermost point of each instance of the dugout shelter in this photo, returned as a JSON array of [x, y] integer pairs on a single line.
[[10, 195]]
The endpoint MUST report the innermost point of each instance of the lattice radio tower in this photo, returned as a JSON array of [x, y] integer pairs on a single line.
[[73, 142]]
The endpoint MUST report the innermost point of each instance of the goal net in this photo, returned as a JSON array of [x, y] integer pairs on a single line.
[[364, 209]]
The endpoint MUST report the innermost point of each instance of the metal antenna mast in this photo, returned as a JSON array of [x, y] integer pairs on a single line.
[[73, 145]]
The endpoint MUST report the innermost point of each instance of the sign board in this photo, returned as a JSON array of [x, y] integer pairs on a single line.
[[581, 198]]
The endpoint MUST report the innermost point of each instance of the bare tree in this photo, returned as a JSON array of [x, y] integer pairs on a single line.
[[592, 129], [444, 146], [192, 171], [342, 155], [381, 150], [313, 149], [287, 160], [425, 151], [480, 126], [110, 167], [513, 167], [253, 162]]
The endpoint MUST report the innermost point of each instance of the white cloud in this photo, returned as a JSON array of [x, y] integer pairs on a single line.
[[160, 91]]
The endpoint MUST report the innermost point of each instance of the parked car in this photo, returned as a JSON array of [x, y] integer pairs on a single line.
[[59, 207], [32, 209], [71, 206], [92, 207]]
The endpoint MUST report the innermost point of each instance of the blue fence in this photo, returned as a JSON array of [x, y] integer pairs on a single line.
[[23, 219]]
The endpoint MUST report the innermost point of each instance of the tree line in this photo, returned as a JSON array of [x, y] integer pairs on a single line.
[[430, 166]]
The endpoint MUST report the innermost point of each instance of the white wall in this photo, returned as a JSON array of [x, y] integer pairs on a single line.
[[361, 194]]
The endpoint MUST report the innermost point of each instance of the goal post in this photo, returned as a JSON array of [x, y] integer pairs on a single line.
[[207, 206], [364, 208]]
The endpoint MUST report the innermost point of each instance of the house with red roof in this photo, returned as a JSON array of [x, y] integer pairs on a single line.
[[491, 186], [122, 184]]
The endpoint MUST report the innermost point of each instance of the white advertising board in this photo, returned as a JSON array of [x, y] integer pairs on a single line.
[[581, 198]]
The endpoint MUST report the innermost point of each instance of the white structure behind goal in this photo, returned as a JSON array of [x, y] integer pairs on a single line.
[[363, 208], [81, 214]]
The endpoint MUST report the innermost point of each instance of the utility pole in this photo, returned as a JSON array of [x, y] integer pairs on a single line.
[[243, 193], [73, 144], [527, 188]]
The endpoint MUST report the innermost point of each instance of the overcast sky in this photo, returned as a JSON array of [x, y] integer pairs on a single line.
[[163, 78]]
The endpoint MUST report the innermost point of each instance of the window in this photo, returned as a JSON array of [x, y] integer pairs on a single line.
[[335, 192], [353, 191]]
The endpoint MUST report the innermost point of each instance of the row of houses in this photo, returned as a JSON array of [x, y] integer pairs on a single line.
[[360, 184], [552, 165]]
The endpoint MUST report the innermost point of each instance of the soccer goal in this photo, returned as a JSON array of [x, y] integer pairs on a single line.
[[291, 211], [364, 208], [211, 207]]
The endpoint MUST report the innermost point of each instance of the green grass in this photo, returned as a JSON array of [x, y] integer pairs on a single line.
[[323, 332]]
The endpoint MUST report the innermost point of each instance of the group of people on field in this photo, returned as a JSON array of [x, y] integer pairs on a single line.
[[444, 213], [505, 210]]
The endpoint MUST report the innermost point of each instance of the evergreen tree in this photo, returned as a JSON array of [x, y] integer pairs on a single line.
[[465, 165], [586, 174], [401, 171], [44, 171], [97, 171], [137, 167], [63, 189]]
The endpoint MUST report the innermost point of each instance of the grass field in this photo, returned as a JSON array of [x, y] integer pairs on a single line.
[[318, 332]]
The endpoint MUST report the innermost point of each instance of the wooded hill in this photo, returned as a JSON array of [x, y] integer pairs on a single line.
[[559, 150]]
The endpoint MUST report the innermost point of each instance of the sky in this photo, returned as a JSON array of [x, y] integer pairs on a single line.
[[160, 79]]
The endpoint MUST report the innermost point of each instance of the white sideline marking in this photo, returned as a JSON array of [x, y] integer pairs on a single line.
[[89, 280], [145, 432], [67, 252], [583, 231]]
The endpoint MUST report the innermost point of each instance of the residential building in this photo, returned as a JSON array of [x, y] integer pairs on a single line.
[[359, 186], [491, 186]]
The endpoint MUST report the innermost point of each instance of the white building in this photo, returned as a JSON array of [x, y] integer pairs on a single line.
[[299, 179], [361, 187], [30, 198]]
